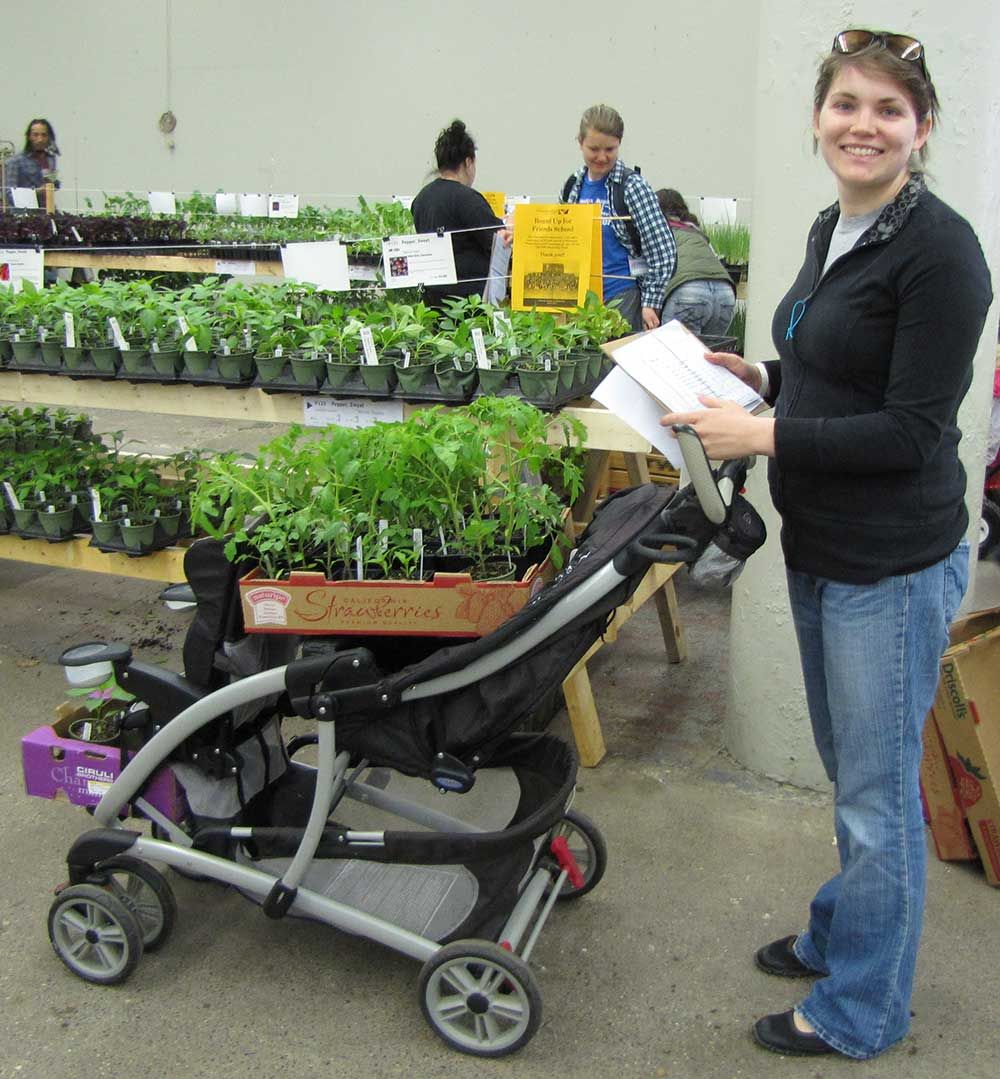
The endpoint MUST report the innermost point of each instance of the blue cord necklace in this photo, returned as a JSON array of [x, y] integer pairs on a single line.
[[798, 310]]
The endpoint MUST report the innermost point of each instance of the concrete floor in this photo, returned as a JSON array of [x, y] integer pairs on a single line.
[[650, 975]]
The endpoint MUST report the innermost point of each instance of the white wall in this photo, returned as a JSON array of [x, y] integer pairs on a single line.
[[337, 97]]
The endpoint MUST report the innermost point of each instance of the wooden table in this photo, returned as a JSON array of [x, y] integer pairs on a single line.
[[605, 433]]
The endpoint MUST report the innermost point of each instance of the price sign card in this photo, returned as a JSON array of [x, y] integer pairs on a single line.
[[252, 204], [322, 263], [162, 202], [553, 254], [418, 260], [226, 202], [351, 412], [282, 205], [18, 265]]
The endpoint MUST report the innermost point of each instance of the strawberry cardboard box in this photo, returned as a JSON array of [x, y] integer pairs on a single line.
[[448, 605], [942, 801], [56, 764], [967, 713]]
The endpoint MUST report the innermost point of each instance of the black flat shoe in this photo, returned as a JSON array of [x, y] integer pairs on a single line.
[[779, 1034], [778, 958]]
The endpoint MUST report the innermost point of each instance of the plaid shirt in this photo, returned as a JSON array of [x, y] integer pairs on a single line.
[[24, 171], [658, 247]]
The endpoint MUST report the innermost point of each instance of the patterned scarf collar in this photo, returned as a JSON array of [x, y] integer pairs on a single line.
[[893, 217]]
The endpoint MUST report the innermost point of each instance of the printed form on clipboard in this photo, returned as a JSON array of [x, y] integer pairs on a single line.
[[665, 370]]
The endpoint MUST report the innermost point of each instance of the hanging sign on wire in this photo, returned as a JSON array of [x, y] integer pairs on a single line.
[[425, 259]]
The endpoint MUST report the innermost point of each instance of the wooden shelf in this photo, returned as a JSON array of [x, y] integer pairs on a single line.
[[166, 565], [605, 431], [57, 258]]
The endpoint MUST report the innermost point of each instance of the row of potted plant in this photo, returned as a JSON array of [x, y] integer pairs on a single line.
[[126, 220], [291, 335], [471, 488], [60, 480]]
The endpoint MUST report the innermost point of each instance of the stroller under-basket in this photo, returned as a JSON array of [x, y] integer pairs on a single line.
[[266, 815]]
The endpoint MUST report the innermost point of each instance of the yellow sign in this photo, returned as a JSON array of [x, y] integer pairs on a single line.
[[497, 201], [557, 253]]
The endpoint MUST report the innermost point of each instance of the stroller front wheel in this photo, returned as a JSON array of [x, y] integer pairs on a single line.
[[94, 934], [146, 893], [480, 999]]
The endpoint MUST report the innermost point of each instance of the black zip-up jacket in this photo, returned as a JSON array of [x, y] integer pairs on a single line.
[[875, 359]]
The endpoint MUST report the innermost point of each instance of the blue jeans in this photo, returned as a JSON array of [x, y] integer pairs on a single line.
[[705, 307], [870, 657]]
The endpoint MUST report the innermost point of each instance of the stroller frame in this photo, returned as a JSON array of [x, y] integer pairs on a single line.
[[479, 996]]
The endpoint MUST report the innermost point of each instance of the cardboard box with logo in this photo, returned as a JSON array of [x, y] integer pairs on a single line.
[[967, 714]]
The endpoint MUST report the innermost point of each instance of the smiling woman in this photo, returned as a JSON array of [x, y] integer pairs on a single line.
[[876, 339]]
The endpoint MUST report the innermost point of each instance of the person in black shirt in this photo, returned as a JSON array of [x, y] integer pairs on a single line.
[[449, 203]]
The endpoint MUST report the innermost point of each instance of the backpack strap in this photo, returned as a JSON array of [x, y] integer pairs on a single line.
[[616, 197]]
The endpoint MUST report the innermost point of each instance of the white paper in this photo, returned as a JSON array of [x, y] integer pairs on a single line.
[[716, 211], [351, 412], [405, 201], [515, 200], [628, 400], [363, 273], [669, 363], [162, 202], [252, 204], [24, 198], [282, 205], [19, 264], [236, 267], [322, 263], [226, 202], [496, 285], [426, 259]]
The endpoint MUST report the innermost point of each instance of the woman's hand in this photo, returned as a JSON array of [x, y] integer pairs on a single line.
[[726, 429], [650, 318], [745, 372]]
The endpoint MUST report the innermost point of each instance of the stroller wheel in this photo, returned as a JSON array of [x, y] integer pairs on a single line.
[[588, 848], [146, 893], [989, 528], [480, 998], [94, 934]]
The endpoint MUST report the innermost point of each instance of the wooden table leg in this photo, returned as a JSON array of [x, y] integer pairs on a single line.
[[670, 623], [597, 463], [583, 717], [637, 467]]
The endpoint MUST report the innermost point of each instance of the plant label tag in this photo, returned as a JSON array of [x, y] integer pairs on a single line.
[[189, 342], [42, 334], [41, 495], [70, 329], [279, 350], [418, 539], [444, 546], [8, 490], [95, 502], [383, 535], [359, 558], [154, 345], [246, 336], [501, 324], [79, 240], [482, 360], [116, 334], [406, 357], [298, 310], [547, 363], [127, 522], [368, 345], [226, 350]]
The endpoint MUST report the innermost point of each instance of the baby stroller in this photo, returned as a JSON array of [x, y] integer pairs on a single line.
[[469, 903]]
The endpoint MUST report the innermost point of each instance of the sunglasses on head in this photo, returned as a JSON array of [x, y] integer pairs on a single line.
[[900, 45]]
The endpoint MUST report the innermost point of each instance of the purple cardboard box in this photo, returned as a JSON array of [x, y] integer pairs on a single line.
[[84, 771]]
